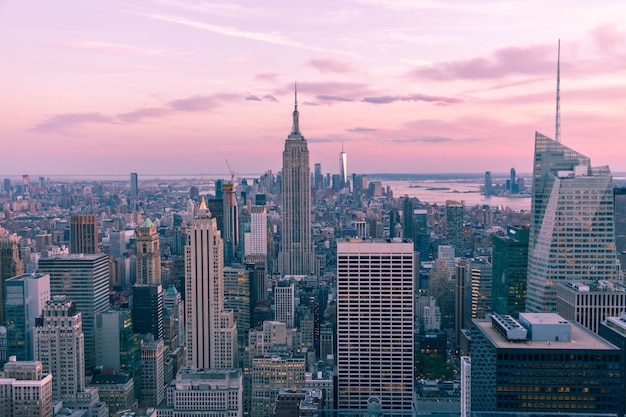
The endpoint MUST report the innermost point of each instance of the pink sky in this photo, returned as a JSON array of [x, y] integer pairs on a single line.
[[177, 86]]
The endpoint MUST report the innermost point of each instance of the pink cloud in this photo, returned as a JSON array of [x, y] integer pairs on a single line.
[[61, 122], [531, 60], [144, 113], [607, 38], [266, 77], [331, 65], [413, 97]]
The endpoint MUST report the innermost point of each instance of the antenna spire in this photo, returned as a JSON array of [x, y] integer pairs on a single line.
[[557, 133], [296, 124]]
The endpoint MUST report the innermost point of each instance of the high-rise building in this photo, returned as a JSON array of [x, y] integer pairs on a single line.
[[84, 279], [59, 346], [513, 181], [454, 226], [477, 303], [256, 242], [211, 332], [285, 302], [318, 176], [237, 298], [10, 265], [572, 232], [25, 390], [84, 234], [375, 322], [620, 222], [147, 310], [590, 302], [296, 256], [230, 233], [543, 364], [152, 372], [613, 329], [134, 188], [343, 168], [269, 375], [509, 267], [148, 254], [173, 303], [408, 220], [488, 183], [26, 296]]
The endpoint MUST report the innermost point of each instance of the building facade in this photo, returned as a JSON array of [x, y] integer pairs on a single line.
[[375, 322], [84, 234]]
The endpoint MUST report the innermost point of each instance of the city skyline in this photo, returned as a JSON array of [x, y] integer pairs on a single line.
[[406, 86]]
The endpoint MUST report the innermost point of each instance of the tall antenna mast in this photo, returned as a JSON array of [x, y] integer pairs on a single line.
[[557, 133]]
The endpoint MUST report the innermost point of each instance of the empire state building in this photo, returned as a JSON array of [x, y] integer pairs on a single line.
[[296, 256]]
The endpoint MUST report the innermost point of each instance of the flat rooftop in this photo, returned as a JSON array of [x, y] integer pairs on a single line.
[[581, 339]]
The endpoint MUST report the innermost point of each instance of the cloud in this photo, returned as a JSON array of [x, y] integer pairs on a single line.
[[330, 89], [325, 97], [361, 130], [144, 113], [266, 77], [199, 103], [331, 65], [272, 38], [607, 38], [427, 139], [319, 140], [533, 60], [61, 122], [413, 97], [270, 98], [253, 98], [118, 48]]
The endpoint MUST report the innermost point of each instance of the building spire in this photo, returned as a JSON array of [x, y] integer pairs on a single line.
[[557, 132], [296, 124]]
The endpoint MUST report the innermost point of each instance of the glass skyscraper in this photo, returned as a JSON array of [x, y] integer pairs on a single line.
[[572, 232]]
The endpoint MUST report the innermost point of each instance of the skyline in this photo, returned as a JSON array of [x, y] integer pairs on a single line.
[[176, 86]]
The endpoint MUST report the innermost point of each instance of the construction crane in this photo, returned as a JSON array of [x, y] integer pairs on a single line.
[[232, 173]]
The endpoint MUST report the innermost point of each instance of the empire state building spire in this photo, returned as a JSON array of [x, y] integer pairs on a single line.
[[295, 130]]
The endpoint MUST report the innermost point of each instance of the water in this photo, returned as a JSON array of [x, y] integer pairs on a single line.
[[466, 190]]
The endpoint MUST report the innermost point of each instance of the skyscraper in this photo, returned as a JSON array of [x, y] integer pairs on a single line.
[[148, 254], [10, 265], [488, 183], [343, 168], [134, 189], [454, 226], [375, 322], [510, 267], [59, 345], [211, 332], [26, 297], [297, 256], [84, 233], [230, 233], [572, 233], [84, 279], [256, 241]]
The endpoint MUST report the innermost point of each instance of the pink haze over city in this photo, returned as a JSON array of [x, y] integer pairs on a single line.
[[405, 86]]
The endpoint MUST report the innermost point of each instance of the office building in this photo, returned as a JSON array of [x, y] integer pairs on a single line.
[[256, 240], [488, 188], [543, 363], [211, 331], [134, 186], [572, 233], [204, 393], [230, 233], [147, 310], [174, 304], [318, 177], [454, 226], [84, 279], [297, 256], [84, 234], [59, 346], [509, 267], [285, 302], [152, 372], [269, 375], [26, 296], [148, 254], [25, 390], [477, 304], [237, 298], [117, 391], [589, 303], [375, 322], [343, 168], [10, 265], [293, 402]]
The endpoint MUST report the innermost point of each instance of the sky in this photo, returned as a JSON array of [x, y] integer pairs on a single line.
[[404, 86]]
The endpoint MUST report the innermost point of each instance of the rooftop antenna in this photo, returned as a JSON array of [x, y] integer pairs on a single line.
[[557, 133]]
